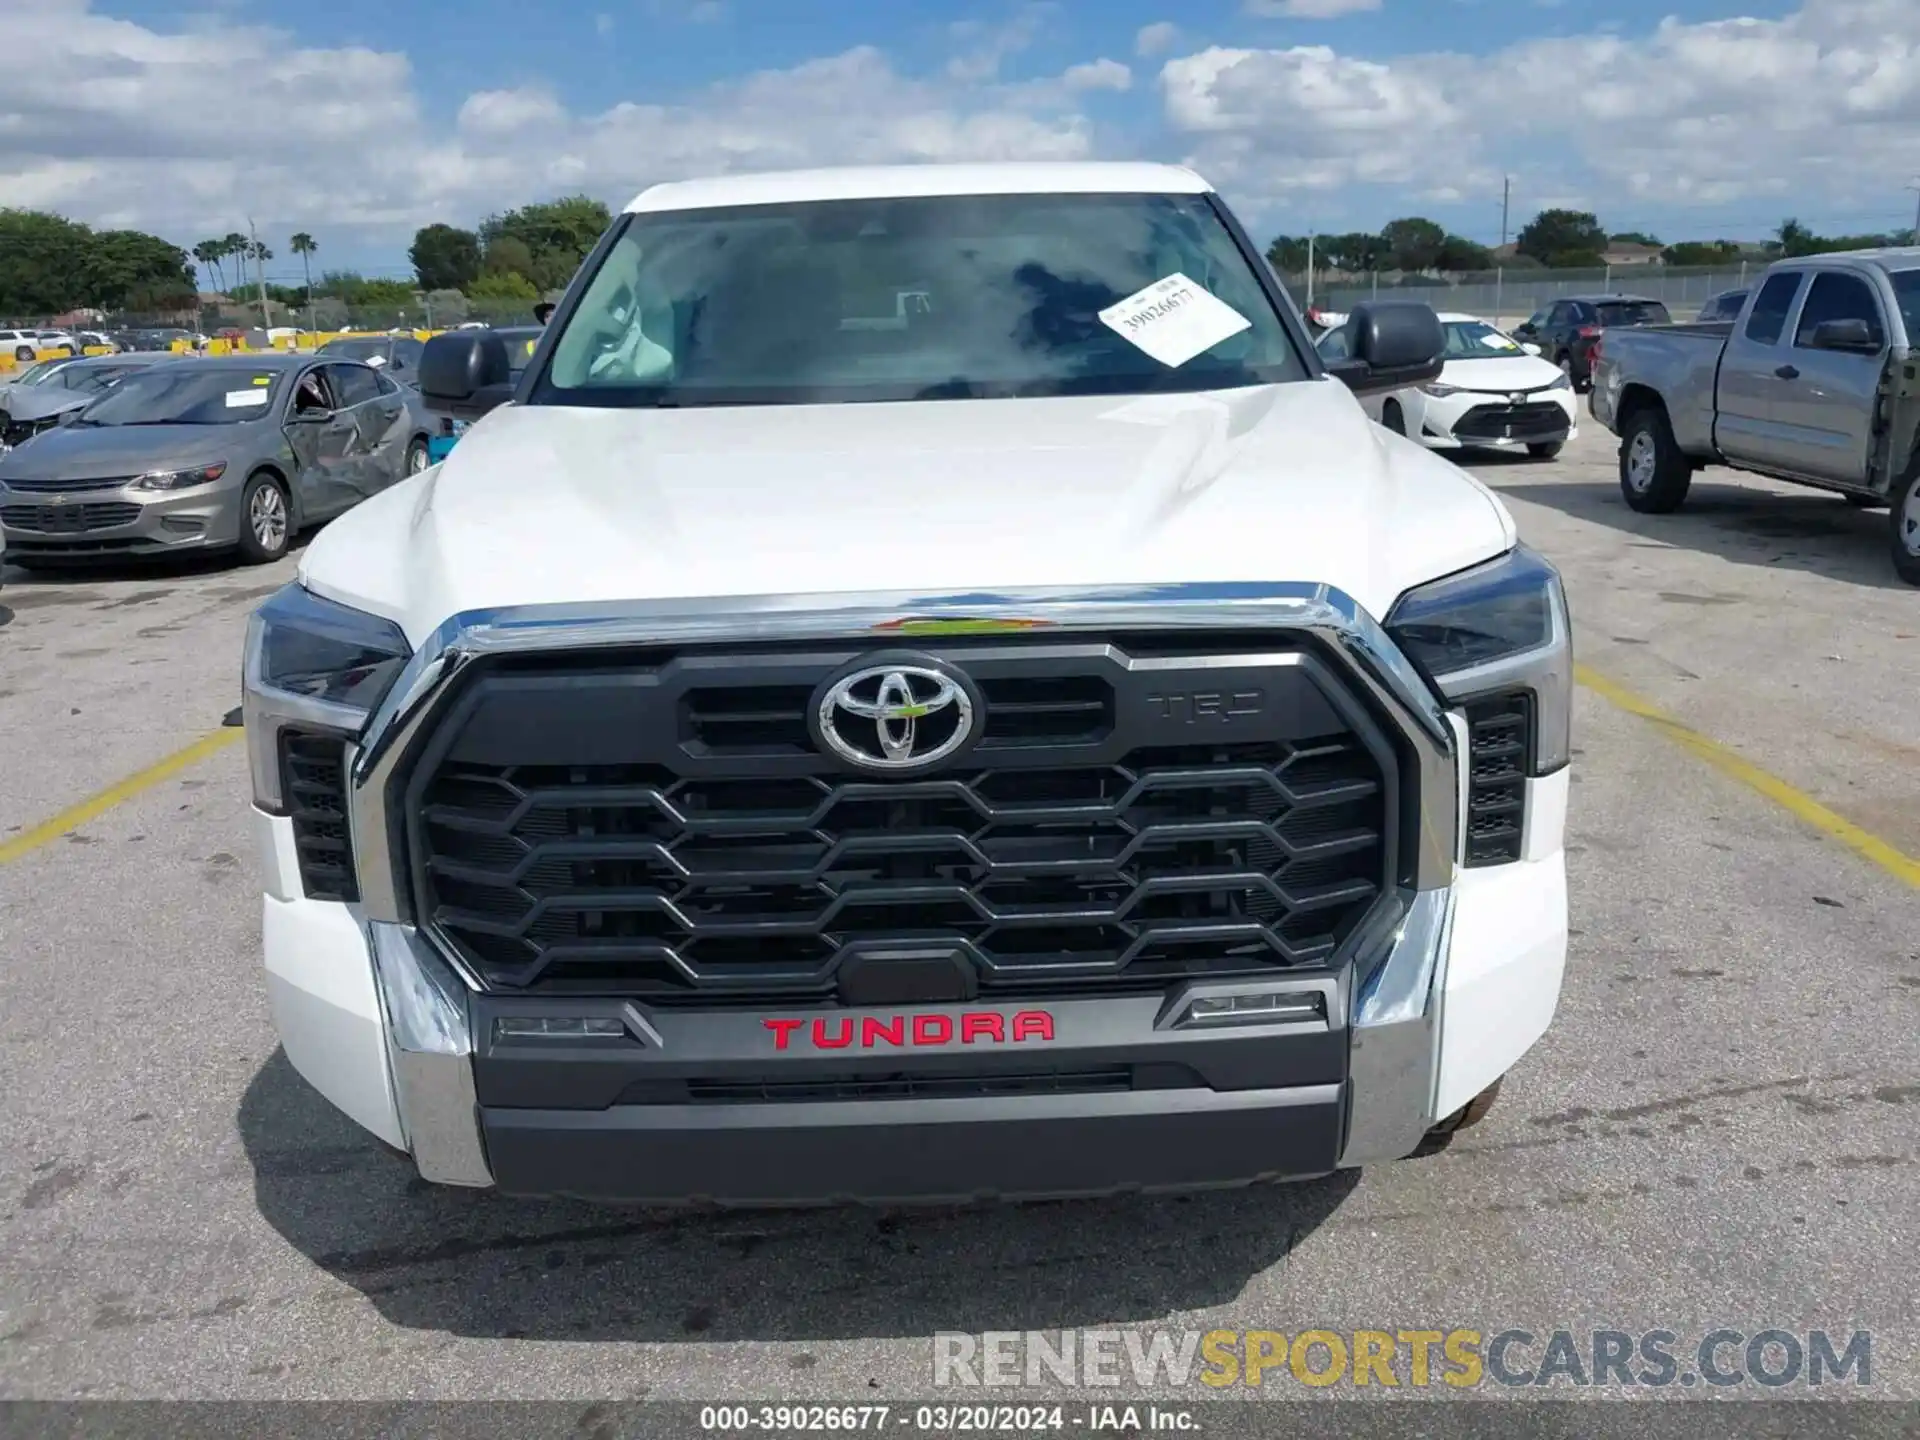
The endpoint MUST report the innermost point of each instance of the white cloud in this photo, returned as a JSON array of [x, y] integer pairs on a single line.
[[1156, 39], [1308, 9], [111, 122], [1099, 74], [1821, 106]]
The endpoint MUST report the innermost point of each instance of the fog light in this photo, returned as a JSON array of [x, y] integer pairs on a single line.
[[1265, 1008], [558, 1027]]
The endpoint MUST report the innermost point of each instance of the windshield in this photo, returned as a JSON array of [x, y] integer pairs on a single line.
[[185, 394], [922, 298], [94, 377], [1476, 340], [41, 373], [1633, 312]]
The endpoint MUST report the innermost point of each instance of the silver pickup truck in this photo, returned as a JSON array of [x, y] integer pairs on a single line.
[[1816, 382]]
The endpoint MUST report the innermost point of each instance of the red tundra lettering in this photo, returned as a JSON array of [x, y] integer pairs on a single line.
[[876, 1032], [838, 1042], [892, 1030], [932, 1029], [1033, 1025], [981, 1023]]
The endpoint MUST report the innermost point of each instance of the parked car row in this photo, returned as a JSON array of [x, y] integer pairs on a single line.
[[131, 455]]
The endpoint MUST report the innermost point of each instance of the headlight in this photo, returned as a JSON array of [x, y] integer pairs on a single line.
[[1499, 626], [314, 664], [1438, 391], [1561, 382], [179, 479]]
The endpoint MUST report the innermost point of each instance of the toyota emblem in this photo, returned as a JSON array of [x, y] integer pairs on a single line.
[[897, 715]]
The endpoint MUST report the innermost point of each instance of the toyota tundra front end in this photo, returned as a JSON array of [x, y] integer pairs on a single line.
[[1160, 783]]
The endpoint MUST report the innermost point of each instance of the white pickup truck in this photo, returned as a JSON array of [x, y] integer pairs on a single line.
[[1049, 743], [1814, 381]]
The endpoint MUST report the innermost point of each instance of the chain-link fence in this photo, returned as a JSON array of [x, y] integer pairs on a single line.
[[1516, 293]]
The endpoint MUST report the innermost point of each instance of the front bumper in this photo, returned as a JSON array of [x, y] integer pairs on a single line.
[[1465, 985], [1442, 423], [82, 523]]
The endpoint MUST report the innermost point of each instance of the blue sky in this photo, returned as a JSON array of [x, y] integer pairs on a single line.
[[360, 119]]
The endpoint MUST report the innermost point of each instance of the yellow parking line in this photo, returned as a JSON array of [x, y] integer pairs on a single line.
[[1796, 802], [75, 816]]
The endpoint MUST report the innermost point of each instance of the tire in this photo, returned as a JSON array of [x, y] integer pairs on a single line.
[[1465, 1118], [417, 457], [23, 353], [1548, 451], [1904, 528], [1654, 474], [1393, 418], [261, 540]]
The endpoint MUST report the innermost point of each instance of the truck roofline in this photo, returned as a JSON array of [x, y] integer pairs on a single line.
[[883, 182]]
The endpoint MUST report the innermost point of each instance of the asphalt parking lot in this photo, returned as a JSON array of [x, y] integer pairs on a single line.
[[1723, 1129]]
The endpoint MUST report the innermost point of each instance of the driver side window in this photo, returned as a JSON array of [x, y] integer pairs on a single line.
[[311, 395]]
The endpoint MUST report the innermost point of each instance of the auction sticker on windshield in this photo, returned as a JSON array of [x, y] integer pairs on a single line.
[[241, 399], [1174, 320]]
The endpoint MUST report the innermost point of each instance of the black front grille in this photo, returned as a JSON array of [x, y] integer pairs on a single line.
[[1533, 420], [1500, 733], [68, 487], [813, 1089], [1058, 857], [313, 782], [69, 519]]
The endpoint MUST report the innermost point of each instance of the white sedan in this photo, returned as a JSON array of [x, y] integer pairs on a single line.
[[1493, 392]]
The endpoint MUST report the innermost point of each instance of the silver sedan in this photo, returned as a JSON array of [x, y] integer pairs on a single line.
[[235, 452]]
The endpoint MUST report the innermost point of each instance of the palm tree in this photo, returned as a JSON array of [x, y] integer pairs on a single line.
[[208, 252], [235, 245], [304, 245]]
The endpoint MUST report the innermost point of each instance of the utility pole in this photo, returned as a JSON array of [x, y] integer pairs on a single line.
[[1506, 207], [1312, 236], [260, 274]]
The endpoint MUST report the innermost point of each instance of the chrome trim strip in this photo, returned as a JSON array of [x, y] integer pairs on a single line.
[[1395, 1030], [430, 1047], [1374, 662]]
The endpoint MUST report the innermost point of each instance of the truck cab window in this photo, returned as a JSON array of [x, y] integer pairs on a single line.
[[1837, 296], [1770, 307]]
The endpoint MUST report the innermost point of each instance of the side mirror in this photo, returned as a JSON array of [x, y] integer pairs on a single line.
[[465, 373], [1531, 348], [1850, 335], [1393, 344]]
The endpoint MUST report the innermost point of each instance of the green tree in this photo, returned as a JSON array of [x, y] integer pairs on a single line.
[[1632, 237], [506, 255], [557, 235], [207, 253], [1413, 243], [233, 246], [1288, 254], [1459, 256], [1701, 252], [49, 263], [1356, 252], [1558, 237], [304, 245], [445, 257], [129, 269], [503, 285]]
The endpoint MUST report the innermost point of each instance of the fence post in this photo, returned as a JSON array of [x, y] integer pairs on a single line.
[[1743, 273], [1376, 284]]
